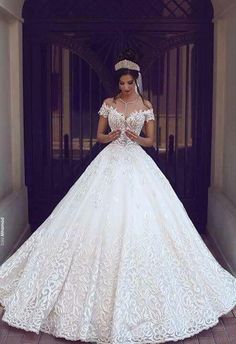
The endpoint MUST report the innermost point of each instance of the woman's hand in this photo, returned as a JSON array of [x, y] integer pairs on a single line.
[[113, 135], [132, 135], [143, 141]]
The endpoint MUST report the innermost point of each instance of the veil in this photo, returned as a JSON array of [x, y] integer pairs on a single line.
[[140, 83]]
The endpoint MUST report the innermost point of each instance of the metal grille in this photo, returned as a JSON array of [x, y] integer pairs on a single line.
[[174, 77]]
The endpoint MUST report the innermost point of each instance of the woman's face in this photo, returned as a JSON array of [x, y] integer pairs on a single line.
[[127, 84]]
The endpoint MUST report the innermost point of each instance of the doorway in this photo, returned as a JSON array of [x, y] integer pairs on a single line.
[[70, 48]]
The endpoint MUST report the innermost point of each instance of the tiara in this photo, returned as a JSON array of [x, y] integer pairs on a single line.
[[127, 64]]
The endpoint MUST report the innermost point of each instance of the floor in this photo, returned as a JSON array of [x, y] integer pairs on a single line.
[[222, 333]]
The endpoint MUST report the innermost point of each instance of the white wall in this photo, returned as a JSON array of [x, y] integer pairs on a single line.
[[13, 193], [12, 7], [229, 161], [220, 6], [222, 193], [5, 127]]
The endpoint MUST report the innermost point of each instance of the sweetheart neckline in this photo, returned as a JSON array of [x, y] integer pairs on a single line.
[[132, 113]]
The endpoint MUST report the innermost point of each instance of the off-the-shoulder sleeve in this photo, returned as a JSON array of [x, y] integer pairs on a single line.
[[149, 114], [104, 110]]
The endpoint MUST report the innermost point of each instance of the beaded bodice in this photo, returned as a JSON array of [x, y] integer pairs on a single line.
[[118, 120]]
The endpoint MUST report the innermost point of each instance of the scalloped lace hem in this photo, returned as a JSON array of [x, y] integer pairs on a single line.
[[99, 341]]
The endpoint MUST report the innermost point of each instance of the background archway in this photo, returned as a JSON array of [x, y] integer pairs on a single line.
[[69, 52]]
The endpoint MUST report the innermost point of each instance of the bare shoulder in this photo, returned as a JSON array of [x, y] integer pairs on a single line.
[[108, 101], [148, 104]]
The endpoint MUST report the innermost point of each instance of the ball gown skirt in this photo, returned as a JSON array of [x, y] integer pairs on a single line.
[[118, 260]]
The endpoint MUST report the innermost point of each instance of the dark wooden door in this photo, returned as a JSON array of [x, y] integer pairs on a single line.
[[70, 48]]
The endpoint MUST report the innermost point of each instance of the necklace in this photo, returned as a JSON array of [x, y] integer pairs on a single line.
[[126, 103], [133, 101]]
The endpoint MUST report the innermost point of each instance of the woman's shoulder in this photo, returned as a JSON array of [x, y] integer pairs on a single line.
[[148, 104], [108, 101]]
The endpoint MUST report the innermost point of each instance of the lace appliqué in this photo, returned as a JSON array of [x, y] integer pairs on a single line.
[[149, 115], [104, 110]]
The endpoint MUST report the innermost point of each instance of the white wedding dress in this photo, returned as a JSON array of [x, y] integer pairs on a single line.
[[118, 260]]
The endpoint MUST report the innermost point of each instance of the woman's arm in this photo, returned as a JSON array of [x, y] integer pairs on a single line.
[[149, 140], [149, 131], [102, 126]]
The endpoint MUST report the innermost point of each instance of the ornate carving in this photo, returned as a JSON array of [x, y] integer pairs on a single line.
[[91, 10]]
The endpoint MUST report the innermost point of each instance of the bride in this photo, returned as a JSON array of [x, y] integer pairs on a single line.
[[118, 260]]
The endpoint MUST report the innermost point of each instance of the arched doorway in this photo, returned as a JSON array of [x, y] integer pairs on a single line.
[[69, 52]]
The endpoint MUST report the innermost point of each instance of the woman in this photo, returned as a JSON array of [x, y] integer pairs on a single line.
[[118, 260]]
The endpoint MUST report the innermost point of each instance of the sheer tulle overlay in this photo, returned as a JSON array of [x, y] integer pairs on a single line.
[[118, 260]]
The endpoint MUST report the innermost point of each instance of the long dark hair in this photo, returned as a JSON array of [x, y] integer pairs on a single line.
[[128, 54]]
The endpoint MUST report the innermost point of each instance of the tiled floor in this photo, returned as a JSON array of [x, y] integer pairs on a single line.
[[222, 333]]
